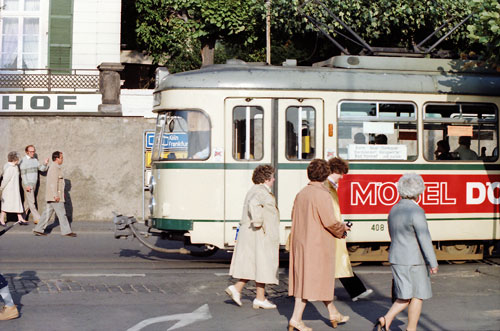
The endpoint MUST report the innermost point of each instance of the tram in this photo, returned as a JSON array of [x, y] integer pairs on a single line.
[[384, 115]]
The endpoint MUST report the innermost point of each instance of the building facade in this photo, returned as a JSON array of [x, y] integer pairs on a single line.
[[59, 60], [59, 34]]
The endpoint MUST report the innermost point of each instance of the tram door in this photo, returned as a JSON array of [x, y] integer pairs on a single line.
[[247, 139], [300, 139]]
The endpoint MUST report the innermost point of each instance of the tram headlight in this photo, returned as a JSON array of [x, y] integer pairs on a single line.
[[156, 99], [152, 184], [152, 205], [161, 73]]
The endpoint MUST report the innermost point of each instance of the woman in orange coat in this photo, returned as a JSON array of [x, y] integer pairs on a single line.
[[312, 248]]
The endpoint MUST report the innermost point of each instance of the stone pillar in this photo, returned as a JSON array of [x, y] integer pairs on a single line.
[[109, 86]]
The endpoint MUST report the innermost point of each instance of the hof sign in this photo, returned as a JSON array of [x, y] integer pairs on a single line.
[[49, 102]]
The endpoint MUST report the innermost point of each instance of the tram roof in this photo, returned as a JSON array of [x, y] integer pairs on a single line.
[[348, 73]]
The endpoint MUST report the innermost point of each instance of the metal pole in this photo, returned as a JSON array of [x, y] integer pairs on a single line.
[[268, 32], [247, 133]]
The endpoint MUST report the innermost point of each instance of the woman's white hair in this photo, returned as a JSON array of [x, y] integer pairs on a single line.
[[410, 186]]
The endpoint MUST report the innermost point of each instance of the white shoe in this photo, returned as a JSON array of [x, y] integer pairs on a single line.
[[266, 304], [363, 295], [234, 294]]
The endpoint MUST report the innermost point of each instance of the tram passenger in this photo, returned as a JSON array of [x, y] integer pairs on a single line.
[[381, 139], [312, 247], [464, 152], [343, 270], [359, 138], [442, 151], [256, 252], [11, 194], [410, 255]]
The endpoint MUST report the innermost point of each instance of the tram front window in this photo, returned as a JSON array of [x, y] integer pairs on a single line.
[[377, 131], [185, 136], [461, 132]]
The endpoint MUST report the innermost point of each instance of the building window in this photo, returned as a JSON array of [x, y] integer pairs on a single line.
[[300, 133], [20, 34], [461, 132], [377, 130], [248, 133]]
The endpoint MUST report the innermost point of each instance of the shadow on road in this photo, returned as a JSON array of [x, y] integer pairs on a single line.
[[21, 285]]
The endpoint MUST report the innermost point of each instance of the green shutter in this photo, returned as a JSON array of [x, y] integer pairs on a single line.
[[60, 35]]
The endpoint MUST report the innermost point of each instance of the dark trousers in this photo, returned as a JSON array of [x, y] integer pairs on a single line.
[[3, 281], [353, 285]]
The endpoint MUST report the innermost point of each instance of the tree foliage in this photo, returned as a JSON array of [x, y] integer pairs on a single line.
[[177, 32], [484, 29], [396, 23]]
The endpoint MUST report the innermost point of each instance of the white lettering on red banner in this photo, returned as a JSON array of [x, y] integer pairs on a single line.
[[376, 194]]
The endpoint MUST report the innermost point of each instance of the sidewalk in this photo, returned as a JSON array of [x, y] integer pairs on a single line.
[[77, 226]]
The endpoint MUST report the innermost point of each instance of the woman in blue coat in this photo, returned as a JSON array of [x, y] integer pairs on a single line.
[[411, 253]]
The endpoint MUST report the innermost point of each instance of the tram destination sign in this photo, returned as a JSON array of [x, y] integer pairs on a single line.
[[460, 193], [60, 102]]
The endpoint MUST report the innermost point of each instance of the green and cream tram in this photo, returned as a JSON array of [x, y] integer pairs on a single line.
[[384, 115]]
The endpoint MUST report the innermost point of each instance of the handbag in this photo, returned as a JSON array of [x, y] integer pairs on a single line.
[[342, 261]]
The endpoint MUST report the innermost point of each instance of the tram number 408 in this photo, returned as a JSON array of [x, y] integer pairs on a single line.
[[378, 227]]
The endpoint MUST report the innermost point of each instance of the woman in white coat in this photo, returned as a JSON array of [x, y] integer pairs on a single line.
[[11, 195], [256, 252]]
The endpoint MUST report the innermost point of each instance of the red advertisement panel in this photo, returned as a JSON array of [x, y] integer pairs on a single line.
[[377, 193]]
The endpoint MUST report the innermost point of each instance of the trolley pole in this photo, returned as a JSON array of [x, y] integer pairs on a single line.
[[268, 32]]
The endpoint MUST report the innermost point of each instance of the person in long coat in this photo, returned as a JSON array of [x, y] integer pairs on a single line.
[[411, 254], [256, 252], [312, 246], [11, 195], [343, 270]]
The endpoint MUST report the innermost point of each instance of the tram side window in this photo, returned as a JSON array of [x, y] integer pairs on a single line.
[[377, 130], [461, 132], [186, 136], [300, 133], [248, 133]]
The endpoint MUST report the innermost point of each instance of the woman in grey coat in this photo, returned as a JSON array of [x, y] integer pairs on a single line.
[[255, 255], [411, 253]]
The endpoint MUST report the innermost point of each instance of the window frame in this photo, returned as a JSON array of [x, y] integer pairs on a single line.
[[233, 140], [161, 152], [21, 15], [462, 121], [313, 138], [377, 118]]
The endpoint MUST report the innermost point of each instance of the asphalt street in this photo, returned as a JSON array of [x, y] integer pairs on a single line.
[[95, 282]]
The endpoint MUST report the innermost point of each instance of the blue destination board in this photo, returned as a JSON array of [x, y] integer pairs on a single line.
[[175, 141], [171, 141]]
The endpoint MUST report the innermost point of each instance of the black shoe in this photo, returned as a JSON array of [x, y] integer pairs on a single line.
[[379, 325]]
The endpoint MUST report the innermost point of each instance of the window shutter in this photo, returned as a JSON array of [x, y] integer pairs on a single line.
[[60, 35]]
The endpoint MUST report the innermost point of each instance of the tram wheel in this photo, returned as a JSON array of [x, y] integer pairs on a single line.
[[204, 250], [460, 249]]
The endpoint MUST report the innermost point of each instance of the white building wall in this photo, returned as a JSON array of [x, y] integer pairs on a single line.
[[137, 103], [96, 32]]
